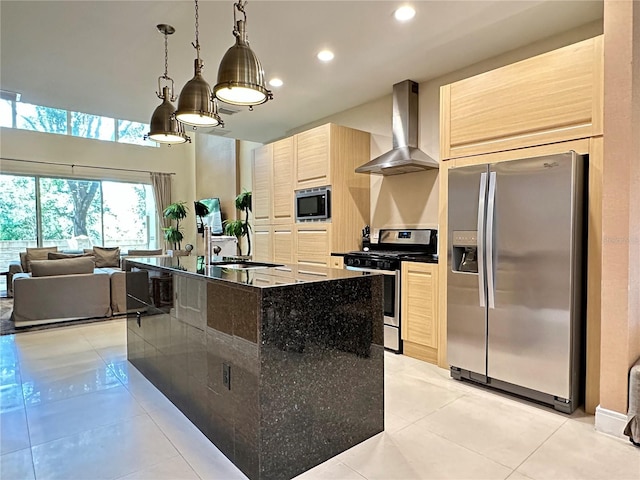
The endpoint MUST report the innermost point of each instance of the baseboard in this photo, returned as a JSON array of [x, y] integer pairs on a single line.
[[610, 422]]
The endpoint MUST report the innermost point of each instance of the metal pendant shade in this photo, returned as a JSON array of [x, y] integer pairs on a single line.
[[164, 128], [240, 75], [196, 105]]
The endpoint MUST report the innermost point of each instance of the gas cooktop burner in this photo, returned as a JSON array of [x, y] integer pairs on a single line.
[[400, 254], [394, 246]]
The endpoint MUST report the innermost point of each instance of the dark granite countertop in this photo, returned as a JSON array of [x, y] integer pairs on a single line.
[[265, 277], [421, 259]]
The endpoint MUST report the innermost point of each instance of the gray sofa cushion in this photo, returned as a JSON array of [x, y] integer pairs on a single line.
[[107, 256], [67, 266], [62, 255], [36, 254]]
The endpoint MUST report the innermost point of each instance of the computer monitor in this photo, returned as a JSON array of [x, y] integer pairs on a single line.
[[214, 218]]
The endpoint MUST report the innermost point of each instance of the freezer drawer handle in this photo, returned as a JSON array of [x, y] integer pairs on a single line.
[[491, 205], [481, 219]]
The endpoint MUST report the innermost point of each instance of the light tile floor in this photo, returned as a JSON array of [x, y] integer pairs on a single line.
[[71, 407]]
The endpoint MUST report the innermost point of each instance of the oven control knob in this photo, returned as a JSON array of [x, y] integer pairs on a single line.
[[356, 262]]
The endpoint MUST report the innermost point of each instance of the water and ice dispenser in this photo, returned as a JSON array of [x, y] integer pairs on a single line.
[[465, 251]]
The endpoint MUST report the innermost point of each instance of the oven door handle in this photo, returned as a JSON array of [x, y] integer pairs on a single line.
[[371, 270]]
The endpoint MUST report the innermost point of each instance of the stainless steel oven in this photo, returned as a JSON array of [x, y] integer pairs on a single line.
[[391, 289]]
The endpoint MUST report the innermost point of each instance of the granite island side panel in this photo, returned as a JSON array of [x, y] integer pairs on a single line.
[[280, 368]]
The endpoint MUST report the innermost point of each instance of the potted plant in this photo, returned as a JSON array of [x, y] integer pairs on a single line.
[[241, 228], [176, 211], [201, 211]]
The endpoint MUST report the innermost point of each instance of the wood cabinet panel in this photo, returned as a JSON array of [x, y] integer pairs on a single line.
[[313, 244], [262, 184], [337, 262], [312, 157], [326, 155], [420, 303], [549, 98], [262, 244], [283, 184], [283, 244]]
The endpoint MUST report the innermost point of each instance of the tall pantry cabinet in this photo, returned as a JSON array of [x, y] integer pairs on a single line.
[[323, 156]]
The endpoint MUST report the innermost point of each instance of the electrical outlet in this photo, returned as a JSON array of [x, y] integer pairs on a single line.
[[226, 375]]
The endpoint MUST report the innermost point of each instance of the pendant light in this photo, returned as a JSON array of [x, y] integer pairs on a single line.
[[164, 127], [240, 75], [196, 105]]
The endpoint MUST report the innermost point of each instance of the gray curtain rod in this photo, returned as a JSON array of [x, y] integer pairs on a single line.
[[72, 165]]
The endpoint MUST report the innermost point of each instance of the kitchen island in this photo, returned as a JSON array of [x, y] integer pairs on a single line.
[[281, 367]]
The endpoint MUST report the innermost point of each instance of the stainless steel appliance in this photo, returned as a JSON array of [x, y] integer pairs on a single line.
[[514, 282], [313, 204], [393, 247], [405, 156]]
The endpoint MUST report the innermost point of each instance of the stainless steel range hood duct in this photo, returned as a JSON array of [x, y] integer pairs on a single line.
[[405, 157]]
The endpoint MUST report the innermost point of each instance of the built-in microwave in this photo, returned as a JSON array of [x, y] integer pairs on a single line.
[[313, 204]]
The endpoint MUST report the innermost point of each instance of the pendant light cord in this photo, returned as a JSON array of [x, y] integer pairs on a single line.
[[197, 44], [239, 6], [166, 56]]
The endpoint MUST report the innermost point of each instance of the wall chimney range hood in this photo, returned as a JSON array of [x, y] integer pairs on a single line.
[[405, 157]]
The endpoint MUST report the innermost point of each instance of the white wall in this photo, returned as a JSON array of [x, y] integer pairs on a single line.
[[81, 152]]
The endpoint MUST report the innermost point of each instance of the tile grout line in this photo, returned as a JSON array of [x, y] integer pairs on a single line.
[[541, 444]]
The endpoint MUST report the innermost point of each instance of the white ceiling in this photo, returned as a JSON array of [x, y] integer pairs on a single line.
[[104, 57]]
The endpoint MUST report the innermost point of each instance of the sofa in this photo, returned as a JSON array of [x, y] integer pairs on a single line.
[[55, 286]]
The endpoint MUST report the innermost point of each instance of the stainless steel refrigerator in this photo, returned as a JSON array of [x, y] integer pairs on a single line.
[[515, 279]]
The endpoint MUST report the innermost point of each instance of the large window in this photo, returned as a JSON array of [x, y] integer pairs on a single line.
[[73, 214], [41, 119], [38, 118]]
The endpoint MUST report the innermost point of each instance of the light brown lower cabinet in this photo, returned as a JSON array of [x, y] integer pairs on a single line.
[[262, 244], [283, 244], [313, 244], [419, 309]]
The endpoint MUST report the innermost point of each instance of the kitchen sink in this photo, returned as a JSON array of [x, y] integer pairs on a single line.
[[244, 265]]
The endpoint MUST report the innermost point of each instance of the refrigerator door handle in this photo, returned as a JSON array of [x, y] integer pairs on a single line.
[[491, 205], [481, 220]]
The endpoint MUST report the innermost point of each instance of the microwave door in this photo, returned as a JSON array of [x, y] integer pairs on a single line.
[[310, 206]]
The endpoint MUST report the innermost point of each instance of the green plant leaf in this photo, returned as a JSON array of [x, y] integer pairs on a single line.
[[176, 211]]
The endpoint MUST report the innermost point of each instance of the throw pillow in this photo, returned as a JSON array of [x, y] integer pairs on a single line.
[[61, 255], [66, 266], [38, 254], [107, 256]]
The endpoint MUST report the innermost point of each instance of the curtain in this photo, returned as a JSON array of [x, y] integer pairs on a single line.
[[161, 183]]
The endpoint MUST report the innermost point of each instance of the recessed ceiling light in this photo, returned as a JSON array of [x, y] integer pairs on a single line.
[[405, 13], [276, 82], [325, 55]]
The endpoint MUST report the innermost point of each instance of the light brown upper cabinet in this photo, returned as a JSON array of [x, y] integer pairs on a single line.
[[553, 97], [313, 164], [273, 183], [262, 185], [282, 172]]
